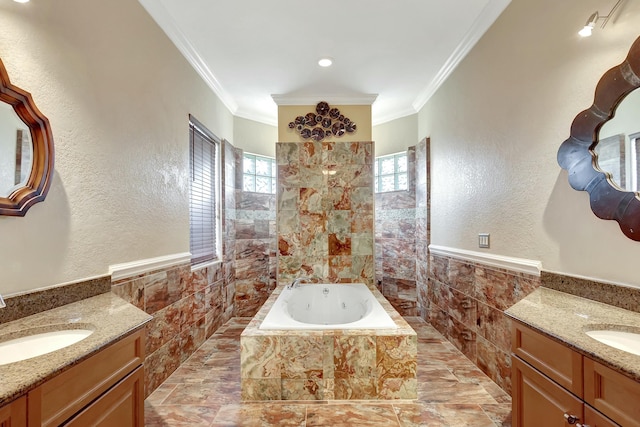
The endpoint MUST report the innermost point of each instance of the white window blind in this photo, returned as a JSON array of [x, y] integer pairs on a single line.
[[203, 209]]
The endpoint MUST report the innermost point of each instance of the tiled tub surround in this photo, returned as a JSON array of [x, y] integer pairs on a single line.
[[467, 301], [187, 307], [565, 318], [325, 211], [108, 316], [330, 364]]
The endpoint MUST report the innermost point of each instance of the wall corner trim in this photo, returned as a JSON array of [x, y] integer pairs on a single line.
[[133, 268], [522, 265]]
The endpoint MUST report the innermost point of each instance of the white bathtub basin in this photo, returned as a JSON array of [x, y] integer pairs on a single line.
[[37, 344], [626, 341]]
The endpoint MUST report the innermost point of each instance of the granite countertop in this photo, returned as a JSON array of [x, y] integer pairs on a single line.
[[109, 316], [567, 317]]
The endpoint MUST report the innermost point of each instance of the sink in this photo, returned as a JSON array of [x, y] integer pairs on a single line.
[[622, 340], [37, 344]]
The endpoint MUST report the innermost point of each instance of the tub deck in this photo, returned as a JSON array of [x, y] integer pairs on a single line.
[[348, 364]]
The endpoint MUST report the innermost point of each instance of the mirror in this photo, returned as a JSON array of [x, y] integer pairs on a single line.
[[595, 137], [16, 151], [26, 150], [617, 150]]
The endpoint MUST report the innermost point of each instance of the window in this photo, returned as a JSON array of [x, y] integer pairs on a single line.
[[391, 173], [204, 147], [259, 174]]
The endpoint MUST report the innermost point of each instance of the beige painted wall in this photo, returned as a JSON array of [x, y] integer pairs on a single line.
[[495, 129], [118, 95], [255, 137], [396, 135], [360, 114]]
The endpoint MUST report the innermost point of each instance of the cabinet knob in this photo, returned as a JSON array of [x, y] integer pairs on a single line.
[[571, 419]]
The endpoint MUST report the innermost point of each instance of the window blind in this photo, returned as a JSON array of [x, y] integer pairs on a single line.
[[202, 200]]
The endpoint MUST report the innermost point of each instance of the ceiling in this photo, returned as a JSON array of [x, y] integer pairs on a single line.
[[397, 52]]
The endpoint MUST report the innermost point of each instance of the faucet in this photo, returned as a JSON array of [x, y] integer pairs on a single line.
[[2, 304], [296, 282]]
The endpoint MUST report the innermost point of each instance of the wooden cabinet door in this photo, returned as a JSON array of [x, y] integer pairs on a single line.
[[612, 393], [593, 418], [538, 401], [14, 414], [121, 406]]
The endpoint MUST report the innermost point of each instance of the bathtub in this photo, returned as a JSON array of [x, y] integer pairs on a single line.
[[327, 306]]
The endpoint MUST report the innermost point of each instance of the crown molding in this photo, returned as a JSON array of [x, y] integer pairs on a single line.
[[160, 14], [379, 120], [522, 265], [487, 17], [364, 99], [256, 117]]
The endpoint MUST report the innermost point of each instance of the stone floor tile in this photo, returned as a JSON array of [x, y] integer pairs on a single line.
[[205, 391]]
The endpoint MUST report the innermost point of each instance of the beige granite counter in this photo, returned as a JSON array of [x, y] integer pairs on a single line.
[[566, 317], [107, 315]]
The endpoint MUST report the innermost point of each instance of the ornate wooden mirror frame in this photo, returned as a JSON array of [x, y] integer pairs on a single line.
[[39, 180], [576, 155]]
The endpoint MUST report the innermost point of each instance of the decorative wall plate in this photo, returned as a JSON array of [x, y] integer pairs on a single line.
[[325, 122]]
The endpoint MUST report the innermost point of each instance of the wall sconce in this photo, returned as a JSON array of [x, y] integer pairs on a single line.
[[595, 17]]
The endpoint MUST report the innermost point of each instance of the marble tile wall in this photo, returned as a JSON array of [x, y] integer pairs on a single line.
[[423, 231], [395, 244], [187, 306], [255, 251], [328, 365], [466, 303], [325, 211]]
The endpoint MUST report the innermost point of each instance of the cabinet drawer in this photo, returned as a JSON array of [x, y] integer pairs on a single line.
[[612, 393], [121, 406], [60, 398], [555, 360], [538, 401]]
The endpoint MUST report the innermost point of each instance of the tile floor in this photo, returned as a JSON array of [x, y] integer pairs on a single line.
[[205, 391]]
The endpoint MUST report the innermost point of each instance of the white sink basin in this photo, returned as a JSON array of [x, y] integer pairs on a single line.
[[626, 341], [38, 344]]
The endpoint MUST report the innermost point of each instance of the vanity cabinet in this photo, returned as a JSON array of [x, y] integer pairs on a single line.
[[14, 414], [107, 389], [65, 395], [554, 385]]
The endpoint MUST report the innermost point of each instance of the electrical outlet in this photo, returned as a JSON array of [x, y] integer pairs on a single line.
[[483, 240]]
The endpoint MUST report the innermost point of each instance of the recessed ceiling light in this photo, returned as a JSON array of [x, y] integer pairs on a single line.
[[21, 1], [325, 62]]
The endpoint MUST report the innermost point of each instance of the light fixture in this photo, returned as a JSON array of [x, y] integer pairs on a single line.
[[325, 62], [595, 17], [21, 1]]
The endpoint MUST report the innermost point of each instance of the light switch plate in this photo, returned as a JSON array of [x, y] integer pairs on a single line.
[[483, 240]]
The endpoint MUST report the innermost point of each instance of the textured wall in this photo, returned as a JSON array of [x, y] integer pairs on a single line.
[[118, 94], [325, 211], [187, 306], [496, 125]]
